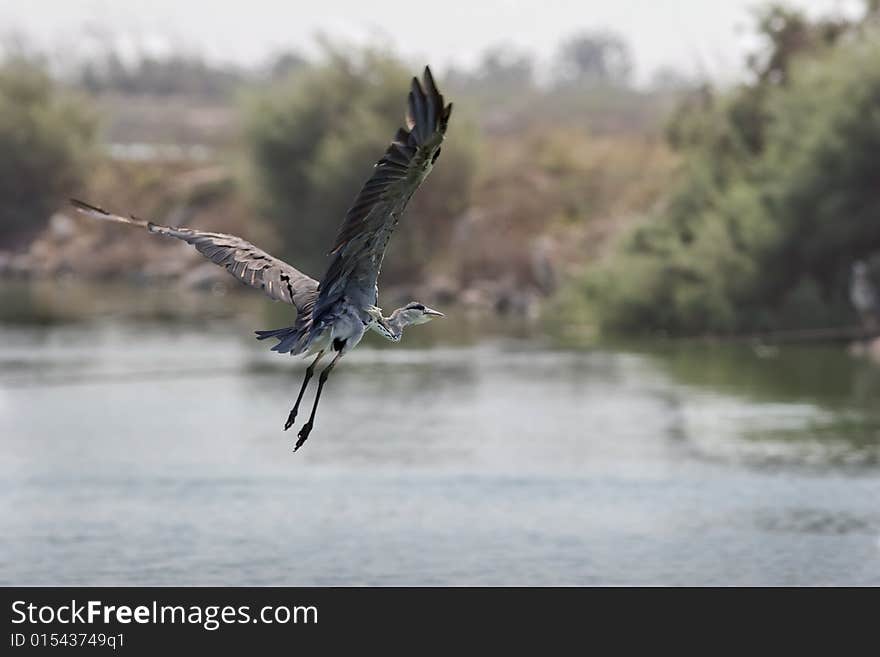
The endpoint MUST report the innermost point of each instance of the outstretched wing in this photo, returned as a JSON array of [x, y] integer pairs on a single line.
[[364, 234], [242, 259]]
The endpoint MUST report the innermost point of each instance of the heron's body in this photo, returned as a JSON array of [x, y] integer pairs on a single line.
[[339, 328], [333, 314]]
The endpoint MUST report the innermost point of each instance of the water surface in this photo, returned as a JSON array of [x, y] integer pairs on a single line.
[[138, 451]]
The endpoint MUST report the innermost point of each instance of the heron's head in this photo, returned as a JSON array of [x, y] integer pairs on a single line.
[[415, 313]]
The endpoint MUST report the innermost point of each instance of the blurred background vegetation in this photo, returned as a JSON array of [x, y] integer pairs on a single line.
[[674, 207], [777, 194]]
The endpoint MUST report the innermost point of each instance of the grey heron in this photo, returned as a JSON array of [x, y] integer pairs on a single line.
[[333, 314], [863, 294]]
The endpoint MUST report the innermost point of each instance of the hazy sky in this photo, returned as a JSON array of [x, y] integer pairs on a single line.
[[693, 35]]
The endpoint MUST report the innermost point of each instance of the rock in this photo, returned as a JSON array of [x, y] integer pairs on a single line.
[[872, 349], [474, 297], [61, 227], [869, 349], [18, 264], [857, 349], [440, 290], [521, 302], [542, 264]]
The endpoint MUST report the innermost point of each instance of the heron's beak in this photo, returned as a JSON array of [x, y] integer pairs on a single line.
[[433, 313]]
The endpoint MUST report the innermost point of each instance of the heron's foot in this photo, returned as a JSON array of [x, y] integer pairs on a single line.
[[290, 420], [303, 435]]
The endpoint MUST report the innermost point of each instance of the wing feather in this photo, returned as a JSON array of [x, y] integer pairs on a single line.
[[363, 236], [252, 266]]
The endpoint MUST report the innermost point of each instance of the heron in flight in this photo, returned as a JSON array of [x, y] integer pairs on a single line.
[[333, 314]]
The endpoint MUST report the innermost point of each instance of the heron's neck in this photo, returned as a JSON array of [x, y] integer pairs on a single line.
[[391, 327]]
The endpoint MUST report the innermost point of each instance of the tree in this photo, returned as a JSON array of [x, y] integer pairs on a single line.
[[777, 199], [785, 34], [314, 139], [46, 136], [595, 58], [180, 74], [507, 67], [503, 71], [285, 64]]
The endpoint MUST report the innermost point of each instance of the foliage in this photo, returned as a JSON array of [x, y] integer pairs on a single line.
[[501, 67], [45, 137], [777, 198], [587, 85], [314, 140], [541, 165], [596, 58], [180, 74], [554, 196]]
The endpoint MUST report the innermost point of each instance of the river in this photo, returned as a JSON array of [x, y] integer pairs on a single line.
[[145, 446]]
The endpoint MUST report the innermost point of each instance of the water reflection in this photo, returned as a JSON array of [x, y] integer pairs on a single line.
[[805, 406], [146, 451], [819, 373]]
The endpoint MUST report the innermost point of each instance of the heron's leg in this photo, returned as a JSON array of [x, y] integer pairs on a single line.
[[310, 370], [307, 427]]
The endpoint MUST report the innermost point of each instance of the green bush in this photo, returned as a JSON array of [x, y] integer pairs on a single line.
[[314, 140], [45, 138], [779, 195]]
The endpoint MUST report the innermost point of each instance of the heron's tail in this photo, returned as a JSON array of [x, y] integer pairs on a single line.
[[288, 339]]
